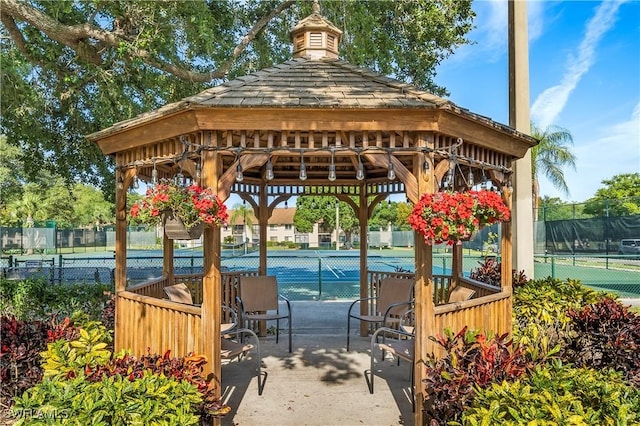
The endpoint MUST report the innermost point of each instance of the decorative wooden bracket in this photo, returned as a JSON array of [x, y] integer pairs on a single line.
[[405, 176], [247, 161]]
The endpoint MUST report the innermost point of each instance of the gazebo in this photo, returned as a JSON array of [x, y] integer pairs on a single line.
[[314, 125]]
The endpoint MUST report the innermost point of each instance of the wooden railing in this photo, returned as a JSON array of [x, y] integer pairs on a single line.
[[150, 323], [145, 321], [489, 313], [441, 284]]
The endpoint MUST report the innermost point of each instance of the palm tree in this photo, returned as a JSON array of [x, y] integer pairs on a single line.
[[550, 157], [244, 212]]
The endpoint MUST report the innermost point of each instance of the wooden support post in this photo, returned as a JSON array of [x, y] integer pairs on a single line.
[[120, 275], [263, 220], [424, 307], [506, 249], [363, 217], [211, 279]]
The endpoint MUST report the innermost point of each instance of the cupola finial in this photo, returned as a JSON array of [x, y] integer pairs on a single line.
[[316, 7]]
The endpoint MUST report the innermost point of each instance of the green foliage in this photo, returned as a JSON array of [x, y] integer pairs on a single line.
[[22, 298], [115, 400], [65, 359], [620, 197], [188, 369], [73, 68], [473, 361], [557, 394], [540, 312], [36, 298], [315, 209], [551, 156], [556, 209]]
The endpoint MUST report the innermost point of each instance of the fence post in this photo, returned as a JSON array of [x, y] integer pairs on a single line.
[[553, 266], [60, 267], [319, 277]]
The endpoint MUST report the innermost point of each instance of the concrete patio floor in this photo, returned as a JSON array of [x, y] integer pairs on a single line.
[[320, 383]]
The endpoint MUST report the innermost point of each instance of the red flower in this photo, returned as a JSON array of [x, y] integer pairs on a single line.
[[453, 216], [192, 204]]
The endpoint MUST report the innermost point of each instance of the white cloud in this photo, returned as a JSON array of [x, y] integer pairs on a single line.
[[491, 32], [552, 101], [612, 150]]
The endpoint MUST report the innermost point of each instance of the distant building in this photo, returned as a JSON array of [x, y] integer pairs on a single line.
[[280, 229]]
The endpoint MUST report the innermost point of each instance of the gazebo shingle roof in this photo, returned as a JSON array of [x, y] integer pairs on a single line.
[[324, 83]]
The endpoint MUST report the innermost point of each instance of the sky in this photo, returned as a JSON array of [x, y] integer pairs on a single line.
[[584, 72]]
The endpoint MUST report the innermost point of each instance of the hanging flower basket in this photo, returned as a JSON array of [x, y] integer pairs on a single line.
[[452, 217], [168, 202]]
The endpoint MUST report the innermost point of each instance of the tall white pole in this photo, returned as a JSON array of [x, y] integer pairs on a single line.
[[519, 119], [337, 225]]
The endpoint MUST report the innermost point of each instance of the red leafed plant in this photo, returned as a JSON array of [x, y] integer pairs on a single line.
[[192, 204], [450, 217]]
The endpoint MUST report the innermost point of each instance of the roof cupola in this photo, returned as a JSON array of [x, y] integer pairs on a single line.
[[315, 36]]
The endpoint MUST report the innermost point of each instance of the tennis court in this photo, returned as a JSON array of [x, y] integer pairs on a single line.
[[320, 274]]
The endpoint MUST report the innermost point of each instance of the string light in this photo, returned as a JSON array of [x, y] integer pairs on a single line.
[[198, 170], [360, 172], [332, 167], [154, 174], [269, 168], [392, 173], [239, 173], [303, 168], [426, 165], [444, 152]]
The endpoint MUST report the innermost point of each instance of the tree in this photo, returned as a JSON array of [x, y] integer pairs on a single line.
[[315, 209], [11, 175], [71, 68], [620, 197], [553, 208], [244, 212], [550, 157], [384, 213]]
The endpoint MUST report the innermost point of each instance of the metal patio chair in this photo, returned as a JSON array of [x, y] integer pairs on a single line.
[[258, 301], [400, 343], [230, 347], [395, 297]]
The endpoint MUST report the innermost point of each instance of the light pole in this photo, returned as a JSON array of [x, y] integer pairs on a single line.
[[337, 225], [244, 224]]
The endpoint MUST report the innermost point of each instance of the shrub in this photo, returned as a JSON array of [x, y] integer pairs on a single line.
[[540, 312], [88, 358], [20, 356], [114, 400], [605, 335], [68, 358], [473, 360], [37, 299], [183, 368], [489, 271], [557, 394]]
